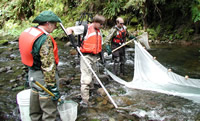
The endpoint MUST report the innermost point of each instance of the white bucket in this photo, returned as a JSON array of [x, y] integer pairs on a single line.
[[68, 110], [23, 100]]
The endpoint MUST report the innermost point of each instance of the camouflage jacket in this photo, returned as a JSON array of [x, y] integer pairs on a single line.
[[113, 33], [44, 60], [48, 65]]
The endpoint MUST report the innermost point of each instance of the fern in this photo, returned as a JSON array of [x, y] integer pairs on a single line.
[[112, 9], [195, 9]]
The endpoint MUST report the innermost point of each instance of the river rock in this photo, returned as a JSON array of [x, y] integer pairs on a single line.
[[10, 49], [13, 80], [3, 69], [104, 102], [92, 111], [12, 57], [67, 44], [101, 92], [73, 52], [4, 42], [99, 99], [10, 71], [65, 81], [111, 119], [18, 88], [1, 85], [8, 68]]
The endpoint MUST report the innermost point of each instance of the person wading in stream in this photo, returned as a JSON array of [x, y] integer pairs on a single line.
[[91, 47], [117, 37], [39, 52]]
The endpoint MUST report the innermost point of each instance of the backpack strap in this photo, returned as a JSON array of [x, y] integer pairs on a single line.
[[84, 32]]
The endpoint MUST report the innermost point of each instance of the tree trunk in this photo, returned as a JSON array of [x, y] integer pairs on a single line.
[[144, 18]]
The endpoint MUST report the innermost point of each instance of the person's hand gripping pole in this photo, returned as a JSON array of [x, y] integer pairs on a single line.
[[45, 89], [71, 36]]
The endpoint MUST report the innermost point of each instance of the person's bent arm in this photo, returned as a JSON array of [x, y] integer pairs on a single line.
[[112, 33], [48, 62], [77, 30], [69, 31]]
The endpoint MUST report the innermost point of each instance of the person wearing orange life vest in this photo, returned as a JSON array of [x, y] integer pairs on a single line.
[[91, 48], [117, 37], [39, 52]]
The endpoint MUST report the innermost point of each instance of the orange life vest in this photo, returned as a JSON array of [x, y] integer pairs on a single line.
[[120, 38], [26, 41], [93, 42]]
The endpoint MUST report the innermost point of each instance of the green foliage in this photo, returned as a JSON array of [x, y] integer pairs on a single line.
[[178, 36], [134, 4], [196, 11], [173, 36], [153, 33], [159, 1], [17, 9], [187, 32], [139, 27], [54, 5], [14, 28], [95, 120], [134, 19], [17, 15], [3, 41], [111, 9]]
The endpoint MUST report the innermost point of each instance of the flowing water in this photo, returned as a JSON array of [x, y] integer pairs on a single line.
[[135, 105]]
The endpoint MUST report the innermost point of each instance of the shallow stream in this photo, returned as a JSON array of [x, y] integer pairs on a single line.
[[138, 105]]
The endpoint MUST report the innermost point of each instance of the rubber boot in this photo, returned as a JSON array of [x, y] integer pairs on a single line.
[[122, 73]]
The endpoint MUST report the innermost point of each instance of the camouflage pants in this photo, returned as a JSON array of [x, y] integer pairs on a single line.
[[42, 107], [86, 75]]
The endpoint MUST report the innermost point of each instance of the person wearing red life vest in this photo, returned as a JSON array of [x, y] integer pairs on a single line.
[[91, 48], [117, 37], [39, 52]]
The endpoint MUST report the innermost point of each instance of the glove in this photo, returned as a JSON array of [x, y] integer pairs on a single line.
[[60, 102], [108, 49], [102, 58], [72, 40], [55, 91], [26, 85]]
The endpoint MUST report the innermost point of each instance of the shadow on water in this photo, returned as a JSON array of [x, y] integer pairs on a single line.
[[181, 59], [138, 105]]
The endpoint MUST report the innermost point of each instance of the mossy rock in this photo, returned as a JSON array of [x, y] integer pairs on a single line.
[[3, 42], [18, 88]]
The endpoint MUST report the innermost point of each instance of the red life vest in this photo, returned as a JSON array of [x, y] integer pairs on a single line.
[[120, 38], [93, 42], [26, 41]]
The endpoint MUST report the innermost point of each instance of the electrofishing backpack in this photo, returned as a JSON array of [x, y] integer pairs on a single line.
[[84, 19]]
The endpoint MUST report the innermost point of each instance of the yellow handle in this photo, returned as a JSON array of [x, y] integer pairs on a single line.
[[45, 89], [122, 45]]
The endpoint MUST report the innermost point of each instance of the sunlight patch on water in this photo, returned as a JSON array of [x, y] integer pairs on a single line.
[[63, 63], [13, 42], [3, 47], [4, 59], [153, 115]]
